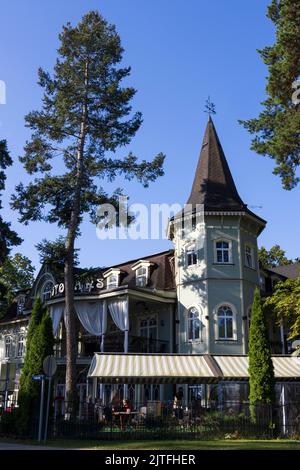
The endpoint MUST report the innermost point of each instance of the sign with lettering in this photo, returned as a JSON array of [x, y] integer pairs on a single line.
[[80, 287]]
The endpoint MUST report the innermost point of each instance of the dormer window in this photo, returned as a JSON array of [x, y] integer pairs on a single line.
[[112, 281], [141, 277], [223, 251], [142, 273], [112, 278], [191, 255], [20, 304]]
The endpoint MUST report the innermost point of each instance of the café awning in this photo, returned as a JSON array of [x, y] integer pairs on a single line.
[[151, 368], [182, 368], [236, 367]]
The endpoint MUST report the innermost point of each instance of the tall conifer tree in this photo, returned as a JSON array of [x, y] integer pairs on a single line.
[[276, 130], [261, 371], [8, 238], [39, 344], [84, 120]]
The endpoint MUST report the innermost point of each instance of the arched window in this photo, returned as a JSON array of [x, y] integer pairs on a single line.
[[223, 251], [21, 344], [225, 322], [46, 291], [191, 255], [8, 346], [194, 324]]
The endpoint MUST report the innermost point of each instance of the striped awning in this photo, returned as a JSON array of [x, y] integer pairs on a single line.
[[151, 368], [236, 367], [182, 368]]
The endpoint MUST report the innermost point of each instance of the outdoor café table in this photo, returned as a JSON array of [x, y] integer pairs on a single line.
[[122, 414]]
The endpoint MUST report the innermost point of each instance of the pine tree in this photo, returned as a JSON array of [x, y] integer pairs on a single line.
[[84, 120], [8, 238], [276, 130], [39, 344], [16, 273], [261, 371]]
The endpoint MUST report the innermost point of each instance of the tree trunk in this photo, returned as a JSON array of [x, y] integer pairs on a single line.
[[71, 341]]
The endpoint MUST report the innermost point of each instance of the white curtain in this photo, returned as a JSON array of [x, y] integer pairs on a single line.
[[119, 312], [92, 316], [55, 312]]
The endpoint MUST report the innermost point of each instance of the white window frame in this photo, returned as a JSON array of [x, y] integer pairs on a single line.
[[21, 345], [216, 249], [234, 322], [8, 344], [136, 267], [20, 304], [112, 277], [191, 251], [112, 281], [249, 251], [48, 291], [141, 279], [192, 320]]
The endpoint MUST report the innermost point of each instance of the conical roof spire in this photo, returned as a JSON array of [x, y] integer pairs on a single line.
[[213, 184]]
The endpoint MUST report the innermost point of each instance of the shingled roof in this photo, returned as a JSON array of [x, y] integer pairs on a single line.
[[291, 271], [213, 184]]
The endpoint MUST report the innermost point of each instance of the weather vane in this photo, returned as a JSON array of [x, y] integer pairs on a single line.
[[210, 107]]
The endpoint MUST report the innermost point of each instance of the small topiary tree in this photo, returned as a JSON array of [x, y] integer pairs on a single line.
[[261, 371]]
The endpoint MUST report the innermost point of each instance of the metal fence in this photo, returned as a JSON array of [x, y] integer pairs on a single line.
[[161, 420], [158, 420]]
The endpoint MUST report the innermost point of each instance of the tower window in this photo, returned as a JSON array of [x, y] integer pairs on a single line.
[[191, 255], [225, 322], [249, 258], [222, 251], [194, 324]]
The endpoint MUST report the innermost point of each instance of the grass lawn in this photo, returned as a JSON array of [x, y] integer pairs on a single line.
[[182, 445], [188, 445]]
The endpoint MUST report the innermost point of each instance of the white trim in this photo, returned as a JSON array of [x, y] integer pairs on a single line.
[[144, 276], [141, 264], [50, 278], [226, 240], [192, 247], [187, 321], [234, 321]]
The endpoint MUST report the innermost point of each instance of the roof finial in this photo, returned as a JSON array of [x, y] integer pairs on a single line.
[[210, 107]]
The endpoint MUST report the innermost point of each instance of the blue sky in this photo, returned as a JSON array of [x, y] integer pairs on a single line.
[[180, 52]]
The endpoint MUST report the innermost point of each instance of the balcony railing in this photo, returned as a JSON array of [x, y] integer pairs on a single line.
[[114, 342]]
